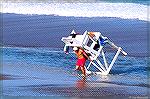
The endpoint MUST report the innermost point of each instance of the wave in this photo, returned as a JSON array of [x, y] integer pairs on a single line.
[[119, 10]]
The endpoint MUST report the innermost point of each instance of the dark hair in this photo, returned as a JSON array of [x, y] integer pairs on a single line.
[[73, 35]]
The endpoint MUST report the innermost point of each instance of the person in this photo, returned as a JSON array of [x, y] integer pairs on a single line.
[[81, 59]]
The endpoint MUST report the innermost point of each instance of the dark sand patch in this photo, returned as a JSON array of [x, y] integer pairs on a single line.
[[9, 77]]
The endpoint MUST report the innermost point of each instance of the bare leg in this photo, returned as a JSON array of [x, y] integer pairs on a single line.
[[83, 71]]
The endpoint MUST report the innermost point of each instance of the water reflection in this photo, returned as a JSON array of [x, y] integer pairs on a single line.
[[81, 84]]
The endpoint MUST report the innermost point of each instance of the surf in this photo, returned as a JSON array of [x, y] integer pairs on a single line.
[[117, 10]]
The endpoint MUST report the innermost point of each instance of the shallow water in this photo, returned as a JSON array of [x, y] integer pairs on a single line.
[[47, 68]]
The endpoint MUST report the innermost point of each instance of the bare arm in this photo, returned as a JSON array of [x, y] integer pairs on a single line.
[[85, 54]]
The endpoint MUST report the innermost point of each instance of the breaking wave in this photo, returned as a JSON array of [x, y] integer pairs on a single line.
[[120, 10]]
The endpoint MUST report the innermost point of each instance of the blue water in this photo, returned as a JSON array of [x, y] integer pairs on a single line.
[[132, 71]]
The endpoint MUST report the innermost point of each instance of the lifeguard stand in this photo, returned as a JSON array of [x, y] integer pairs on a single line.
[[88, 43]]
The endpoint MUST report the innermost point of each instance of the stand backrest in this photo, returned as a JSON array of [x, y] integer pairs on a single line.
[[89, 44]]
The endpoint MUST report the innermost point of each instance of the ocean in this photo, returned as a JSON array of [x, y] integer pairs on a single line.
[[34, 25], [33, 61]]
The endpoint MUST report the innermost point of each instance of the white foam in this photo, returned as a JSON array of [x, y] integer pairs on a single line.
[[121, 10]]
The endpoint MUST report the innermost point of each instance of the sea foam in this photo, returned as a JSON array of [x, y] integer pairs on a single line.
[[119, 10]]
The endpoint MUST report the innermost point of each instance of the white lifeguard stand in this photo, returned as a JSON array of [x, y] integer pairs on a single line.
[[88, 43]]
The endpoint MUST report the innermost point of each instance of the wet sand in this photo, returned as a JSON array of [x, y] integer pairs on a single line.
[[45, 81]]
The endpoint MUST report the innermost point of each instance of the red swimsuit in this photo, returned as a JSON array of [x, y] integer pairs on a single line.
[[81, 62]]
